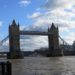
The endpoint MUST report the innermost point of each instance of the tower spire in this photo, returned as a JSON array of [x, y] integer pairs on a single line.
[[13, 22], [53, 26]]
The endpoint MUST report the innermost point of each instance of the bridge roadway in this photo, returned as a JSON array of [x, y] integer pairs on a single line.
[[34, 33], [3, 52]]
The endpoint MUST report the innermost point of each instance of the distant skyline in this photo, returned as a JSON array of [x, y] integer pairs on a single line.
[[38, 15]]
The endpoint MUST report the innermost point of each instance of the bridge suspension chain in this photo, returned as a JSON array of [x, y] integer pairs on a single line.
[[5, 39], [64, 42], [64, 45]]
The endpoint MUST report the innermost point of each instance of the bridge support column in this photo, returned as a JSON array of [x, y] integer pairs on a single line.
[[53, 40], [14, 42]]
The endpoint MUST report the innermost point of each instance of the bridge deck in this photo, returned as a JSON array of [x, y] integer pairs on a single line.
[[3, 52]]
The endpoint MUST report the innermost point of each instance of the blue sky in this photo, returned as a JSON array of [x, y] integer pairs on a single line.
[[38, 15], [18, 10]]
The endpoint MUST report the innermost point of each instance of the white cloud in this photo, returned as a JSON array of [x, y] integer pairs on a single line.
[[24, 27], [34, 15], [24, 2], [29, 42], [57, 12], [54, 4], [34, 42], [70, 37]]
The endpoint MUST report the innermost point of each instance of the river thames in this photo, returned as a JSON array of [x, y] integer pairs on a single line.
[[43, 66]]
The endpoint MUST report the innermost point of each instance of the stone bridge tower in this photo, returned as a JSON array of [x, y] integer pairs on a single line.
[[14, 42], [54, 41]]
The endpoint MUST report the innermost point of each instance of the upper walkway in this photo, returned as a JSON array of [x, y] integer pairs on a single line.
[[34, 33]]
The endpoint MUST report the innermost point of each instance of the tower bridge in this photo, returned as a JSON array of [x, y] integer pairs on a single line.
[[14, 40]]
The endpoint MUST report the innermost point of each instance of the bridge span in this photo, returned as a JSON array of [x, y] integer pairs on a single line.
[[35, 33]]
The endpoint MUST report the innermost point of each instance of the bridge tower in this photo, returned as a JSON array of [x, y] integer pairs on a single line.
[[54, 41], [14, 42]]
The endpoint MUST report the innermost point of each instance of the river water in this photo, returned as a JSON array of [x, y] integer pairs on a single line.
[[43, 66]]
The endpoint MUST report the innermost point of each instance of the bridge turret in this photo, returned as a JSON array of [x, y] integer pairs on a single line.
[[53, 26], [14, 41], [54, 41], [14, 23], [18, 25]]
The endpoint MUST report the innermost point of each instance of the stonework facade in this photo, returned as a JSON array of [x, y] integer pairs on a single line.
[[14, 41], [53, 40]]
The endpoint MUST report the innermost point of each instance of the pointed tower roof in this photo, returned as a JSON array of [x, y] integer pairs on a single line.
[[13, 23], [53, 26]]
